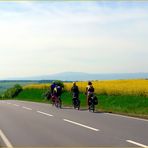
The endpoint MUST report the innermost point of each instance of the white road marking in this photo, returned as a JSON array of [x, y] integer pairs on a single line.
[[136, 143], [26, 108], [6, 141], [44, 113], [81, 125], [16, 105], [8, 103], [126, 117]]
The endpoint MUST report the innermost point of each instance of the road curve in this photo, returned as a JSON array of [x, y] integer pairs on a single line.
[[28, 124]]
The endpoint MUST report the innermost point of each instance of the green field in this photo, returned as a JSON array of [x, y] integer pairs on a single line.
[[4, 85], [128, 105]]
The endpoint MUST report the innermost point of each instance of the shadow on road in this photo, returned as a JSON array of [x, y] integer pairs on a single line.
[[99, 112], [81, 109], [67, 107]]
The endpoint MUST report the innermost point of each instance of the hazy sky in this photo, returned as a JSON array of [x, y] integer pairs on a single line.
[[39, 38]]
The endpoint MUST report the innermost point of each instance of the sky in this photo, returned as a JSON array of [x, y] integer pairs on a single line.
[[46, 37]]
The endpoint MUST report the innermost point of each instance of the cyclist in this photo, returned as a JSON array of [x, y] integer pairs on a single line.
[[75, 90], [57, 91], [75, 95], [89, 91]]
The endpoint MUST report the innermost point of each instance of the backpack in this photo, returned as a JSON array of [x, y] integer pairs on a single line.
[[75, 89], [59, 90], [55, 90], [90, 89], [95, 100]]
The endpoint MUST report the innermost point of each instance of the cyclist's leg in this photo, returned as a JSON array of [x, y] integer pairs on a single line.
[[88, 103]]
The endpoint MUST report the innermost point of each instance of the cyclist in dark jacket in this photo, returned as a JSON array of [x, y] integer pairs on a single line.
[[75, 96], [75, 90]]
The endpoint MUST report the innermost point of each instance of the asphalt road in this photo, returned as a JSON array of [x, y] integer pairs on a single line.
[[27, 124]]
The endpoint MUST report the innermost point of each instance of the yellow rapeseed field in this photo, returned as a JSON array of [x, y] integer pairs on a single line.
[[116, 87], [109, 87], [36, 86]]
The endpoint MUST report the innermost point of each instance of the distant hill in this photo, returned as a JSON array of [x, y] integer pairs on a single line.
[[80, 76]]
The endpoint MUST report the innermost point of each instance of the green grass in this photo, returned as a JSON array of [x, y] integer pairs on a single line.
[[4, 85], [128, 105], [35, 95]]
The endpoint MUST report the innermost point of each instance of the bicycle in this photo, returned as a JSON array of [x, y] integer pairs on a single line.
[[56, 101], [92, 101], [76, 103]]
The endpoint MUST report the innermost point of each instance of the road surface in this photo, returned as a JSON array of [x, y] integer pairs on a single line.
[[28, 124]]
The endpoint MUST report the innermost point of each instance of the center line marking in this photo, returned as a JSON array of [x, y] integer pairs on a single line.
[[94, 129], [136, 143], [26, 108], [44, 113], [6, 141]]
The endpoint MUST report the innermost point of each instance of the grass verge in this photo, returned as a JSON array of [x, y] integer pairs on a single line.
[[34, 95]]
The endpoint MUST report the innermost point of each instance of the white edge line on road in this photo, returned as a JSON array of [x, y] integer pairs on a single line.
[[26, 108], [126, 117], [136, 143], [44, 113], [94, 129], [6, 141]]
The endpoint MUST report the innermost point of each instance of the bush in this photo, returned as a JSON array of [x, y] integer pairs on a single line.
[[12, 92], [60, 83]]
